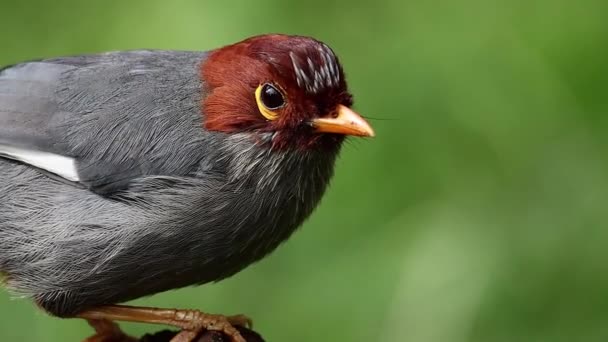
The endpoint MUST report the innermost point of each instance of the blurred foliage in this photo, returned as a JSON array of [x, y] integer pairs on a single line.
[[477, 214]]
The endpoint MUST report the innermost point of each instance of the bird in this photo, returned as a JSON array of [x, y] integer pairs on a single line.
[[128, 173]]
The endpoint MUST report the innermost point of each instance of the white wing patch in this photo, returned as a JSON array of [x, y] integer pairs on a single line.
[[54, 163]]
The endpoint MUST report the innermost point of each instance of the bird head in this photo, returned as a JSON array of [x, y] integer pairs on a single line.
[[287, 91]]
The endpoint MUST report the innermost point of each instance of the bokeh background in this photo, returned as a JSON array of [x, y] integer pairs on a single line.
[[479, 213]]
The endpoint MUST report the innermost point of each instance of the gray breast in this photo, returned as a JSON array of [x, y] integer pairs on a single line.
[[71, 249]]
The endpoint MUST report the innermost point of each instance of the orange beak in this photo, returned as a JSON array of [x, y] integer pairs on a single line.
[[347, 122]]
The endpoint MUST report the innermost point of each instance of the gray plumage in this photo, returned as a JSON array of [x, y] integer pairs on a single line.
[[160, 203]]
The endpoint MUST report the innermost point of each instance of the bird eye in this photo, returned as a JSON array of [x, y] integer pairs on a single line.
[[269, 98]]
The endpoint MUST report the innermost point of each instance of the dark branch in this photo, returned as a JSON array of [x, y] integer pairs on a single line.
[[206, 336]]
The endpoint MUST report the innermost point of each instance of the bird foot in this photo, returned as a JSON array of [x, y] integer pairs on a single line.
[[192, 322], [107, 331]]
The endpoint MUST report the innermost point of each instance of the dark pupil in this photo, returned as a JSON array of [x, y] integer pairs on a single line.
[[271, 97]]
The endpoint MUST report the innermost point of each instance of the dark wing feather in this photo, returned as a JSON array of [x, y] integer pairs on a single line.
[[119, 115]]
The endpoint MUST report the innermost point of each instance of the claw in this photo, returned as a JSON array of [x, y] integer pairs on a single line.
[[241, 321]]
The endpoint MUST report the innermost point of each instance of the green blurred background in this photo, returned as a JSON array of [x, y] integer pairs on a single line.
[[477, 214]]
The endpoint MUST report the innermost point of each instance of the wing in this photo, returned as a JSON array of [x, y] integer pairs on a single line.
[[104, 120]]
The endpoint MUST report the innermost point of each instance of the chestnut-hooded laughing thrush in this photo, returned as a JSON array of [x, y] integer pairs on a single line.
[[124, 174]]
